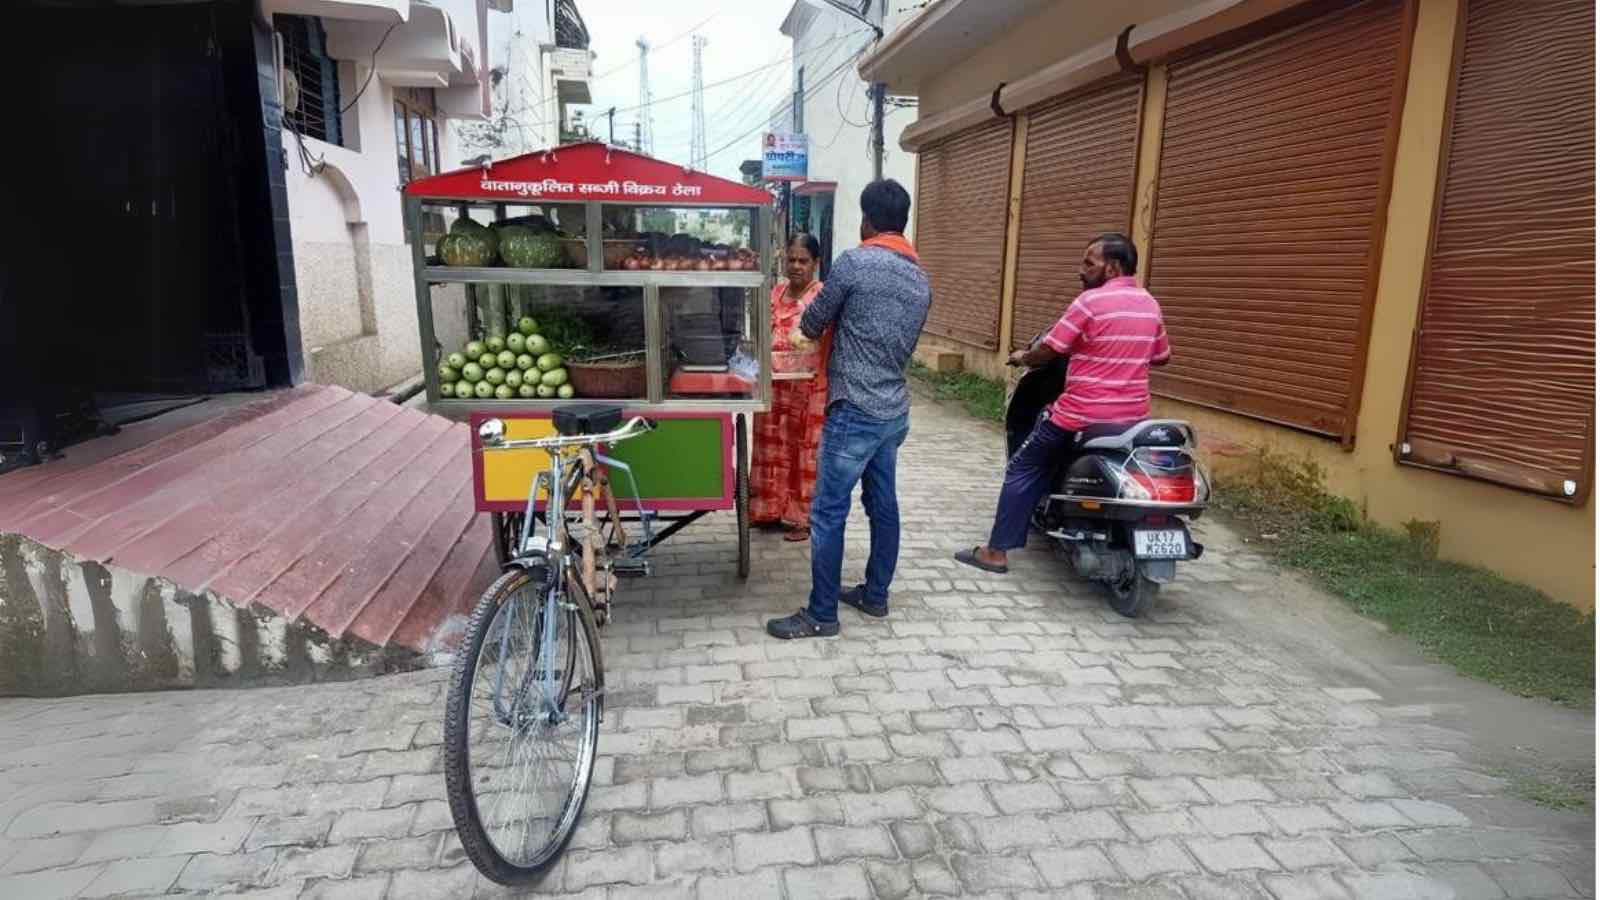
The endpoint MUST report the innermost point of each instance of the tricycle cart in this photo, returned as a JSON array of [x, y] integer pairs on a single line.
[[591, 274]]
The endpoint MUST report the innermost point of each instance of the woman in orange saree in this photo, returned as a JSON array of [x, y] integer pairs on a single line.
[[783, 469]]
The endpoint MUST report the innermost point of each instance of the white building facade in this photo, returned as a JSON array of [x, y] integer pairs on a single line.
[[375, 93], [836, 114], [544, 67]]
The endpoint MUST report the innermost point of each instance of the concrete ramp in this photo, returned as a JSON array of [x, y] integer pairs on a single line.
[[299, 535]]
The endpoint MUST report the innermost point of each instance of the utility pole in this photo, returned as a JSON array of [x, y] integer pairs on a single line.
[[647, 128], [697, 140], [876, 91], [877, 130], [611, 125], [797, 106], [638, 139]]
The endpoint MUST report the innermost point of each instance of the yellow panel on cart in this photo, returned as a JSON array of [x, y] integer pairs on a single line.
[[508, 473], [684, 464]]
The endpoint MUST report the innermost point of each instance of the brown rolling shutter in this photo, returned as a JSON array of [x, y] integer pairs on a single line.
[[962, 186], [1077, 181], [1269, 211], [1502, 381]]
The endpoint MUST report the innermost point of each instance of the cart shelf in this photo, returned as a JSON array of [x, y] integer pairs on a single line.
[[624, 278]]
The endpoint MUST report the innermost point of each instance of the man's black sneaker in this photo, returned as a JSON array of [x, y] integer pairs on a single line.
[[857, 597], [801, 625]]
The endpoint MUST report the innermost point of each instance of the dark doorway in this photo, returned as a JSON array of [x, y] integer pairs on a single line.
[[143, 256]]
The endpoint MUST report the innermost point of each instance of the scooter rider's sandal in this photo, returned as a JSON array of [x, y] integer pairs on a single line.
[[971, 558]]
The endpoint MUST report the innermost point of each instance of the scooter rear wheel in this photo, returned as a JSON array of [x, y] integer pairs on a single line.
[[1133, 594]]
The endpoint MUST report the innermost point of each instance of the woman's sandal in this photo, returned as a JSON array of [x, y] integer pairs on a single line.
[[797, 535]]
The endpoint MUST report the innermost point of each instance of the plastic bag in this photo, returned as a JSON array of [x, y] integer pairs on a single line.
[[744, 365]]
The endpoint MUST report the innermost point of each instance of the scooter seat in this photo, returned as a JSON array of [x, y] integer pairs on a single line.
[[1149, 433]]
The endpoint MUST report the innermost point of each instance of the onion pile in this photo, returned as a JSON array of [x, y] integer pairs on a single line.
[[642, 260]]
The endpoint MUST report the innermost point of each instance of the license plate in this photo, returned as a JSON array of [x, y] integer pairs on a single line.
[[1163, 544]]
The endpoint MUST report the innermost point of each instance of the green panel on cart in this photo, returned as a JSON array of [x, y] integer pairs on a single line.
[[681, 459]]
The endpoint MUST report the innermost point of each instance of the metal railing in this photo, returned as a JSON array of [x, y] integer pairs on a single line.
[[571, 32]]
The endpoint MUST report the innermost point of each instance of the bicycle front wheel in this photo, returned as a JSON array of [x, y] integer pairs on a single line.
[[522, 722]]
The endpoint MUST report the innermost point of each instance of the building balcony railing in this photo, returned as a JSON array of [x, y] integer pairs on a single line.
[[571, 32]]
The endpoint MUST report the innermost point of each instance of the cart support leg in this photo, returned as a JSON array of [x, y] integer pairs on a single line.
[[672, 529]]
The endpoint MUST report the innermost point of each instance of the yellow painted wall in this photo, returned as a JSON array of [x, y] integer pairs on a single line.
[[1049, 36], [1540, 542]]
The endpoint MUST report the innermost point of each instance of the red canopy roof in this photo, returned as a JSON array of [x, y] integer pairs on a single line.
[[584, 172]]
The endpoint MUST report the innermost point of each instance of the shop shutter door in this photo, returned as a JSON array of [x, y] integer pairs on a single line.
[[1502, 384], [962, 186], [1077, 182], [1268, 207]]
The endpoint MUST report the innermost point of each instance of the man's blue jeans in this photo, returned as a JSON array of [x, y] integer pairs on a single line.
[[855, 447]]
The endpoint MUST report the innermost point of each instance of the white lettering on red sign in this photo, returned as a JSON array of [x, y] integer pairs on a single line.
[[553, 186]]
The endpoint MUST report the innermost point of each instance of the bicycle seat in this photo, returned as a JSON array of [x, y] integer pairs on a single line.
[[586, 418]]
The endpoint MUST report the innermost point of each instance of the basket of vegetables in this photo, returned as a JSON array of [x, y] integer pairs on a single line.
[[615, 251], [594, 367], [607, 373]]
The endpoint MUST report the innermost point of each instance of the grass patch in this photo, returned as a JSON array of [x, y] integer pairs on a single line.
[[981, 397], [1576, 794], [1489, 628]]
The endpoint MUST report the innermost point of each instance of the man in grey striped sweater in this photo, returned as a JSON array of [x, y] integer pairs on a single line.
[[876, 299]]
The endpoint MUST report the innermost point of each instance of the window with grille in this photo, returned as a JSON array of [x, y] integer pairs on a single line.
[[416, 133], [416, 146], [311, 79]]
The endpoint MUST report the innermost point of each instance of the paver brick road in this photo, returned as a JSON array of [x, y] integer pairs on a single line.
[[995, 736]]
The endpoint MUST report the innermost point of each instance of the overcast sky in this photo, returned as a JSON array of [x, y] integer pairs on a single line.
[[743, 36]]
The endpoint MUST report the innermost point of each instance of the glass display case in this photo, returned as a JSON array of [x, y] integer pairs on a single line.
[[588, 273], [591, 273]]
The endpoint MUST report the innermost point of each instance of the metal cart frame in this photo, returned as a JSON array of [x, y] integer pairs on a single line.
[[735, 411]]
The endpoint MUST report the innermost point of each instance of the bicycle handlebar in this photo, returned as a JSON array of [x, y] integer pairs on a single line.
[[631, 429]]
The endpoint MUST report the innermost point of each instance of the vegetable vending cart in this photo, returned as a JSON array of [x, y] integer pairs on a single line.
[[592, 274]]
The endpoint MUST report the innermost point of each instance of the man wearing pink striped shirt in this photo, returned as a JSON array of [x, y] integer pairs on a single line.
[[1111, 335]]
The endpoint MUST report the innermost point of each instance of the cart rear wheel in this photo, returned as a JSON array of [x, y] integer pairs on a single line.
[[741, 489]]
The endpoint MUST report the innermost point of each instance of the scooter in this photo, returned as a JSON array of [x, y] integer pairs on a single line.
[[1120, 504]]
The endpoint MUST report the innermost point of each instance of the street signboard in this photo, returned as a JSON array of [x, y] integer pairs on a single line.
[[783, 157]]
